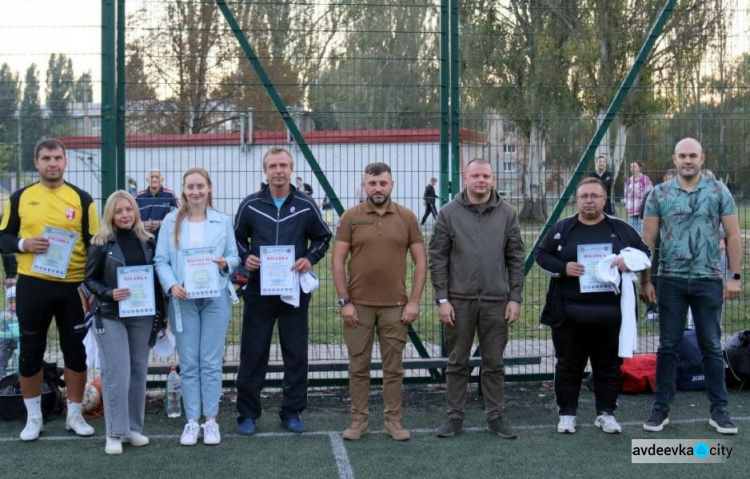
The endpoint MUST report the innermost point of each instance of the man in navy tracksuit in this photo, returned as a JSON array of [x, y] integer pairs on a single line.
[[279, 214]]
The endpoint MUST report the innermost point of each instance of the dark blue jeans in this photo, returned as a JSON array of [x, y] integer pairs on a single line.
[[704, 298]]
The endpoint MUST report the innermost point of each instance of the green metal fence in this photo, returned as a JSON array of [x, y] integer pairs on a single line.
[[538, 88]]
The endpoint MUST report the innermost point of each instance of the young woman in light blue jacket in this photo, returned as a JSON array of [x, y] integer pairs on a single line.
[[199, 324]]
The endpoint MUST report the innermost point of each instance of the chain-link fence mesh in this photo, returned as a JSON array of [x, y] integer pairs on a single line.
[[519, 82]]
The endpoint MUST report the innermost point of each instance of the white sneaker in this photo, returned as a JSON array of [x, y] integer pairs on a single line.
[[136, 439], [190, 434], [114, 445], [211, 435], [34, 426], [567, 424], [608, 424], [77, 424]]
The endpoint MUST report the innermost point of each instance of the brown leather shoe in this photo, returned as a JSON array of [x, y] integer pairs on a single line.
[[396, 431], [356, 430]]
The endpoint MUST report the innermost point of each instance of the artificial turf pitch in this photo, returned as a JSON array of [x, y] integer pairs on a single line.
[[539, 451]]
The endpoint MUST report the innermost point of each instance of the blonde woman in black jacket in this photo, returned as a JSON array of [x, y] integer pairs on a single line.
[[123, 342]]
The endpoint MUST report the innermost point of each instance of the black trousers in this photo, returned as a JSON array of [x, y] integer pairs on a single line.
[[260, 316], [430, 210], [575, 343]]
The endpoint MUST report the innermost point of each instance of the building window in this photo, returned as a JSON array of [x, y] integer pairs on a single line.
[[509, 166], [509, 127], [509, 148]]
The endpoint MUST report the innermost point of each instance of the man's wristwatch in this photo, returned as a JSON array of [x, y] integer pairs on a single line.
[[736, 276], [343, 302], [440, 301]]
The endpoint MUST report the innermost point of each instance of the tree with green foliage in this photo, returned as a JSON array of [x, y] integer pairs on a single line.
[[59, 93], [10, 95], [83, 91], [612, 35], [32, 123], [522, 73], [382, 73], [186, 59]]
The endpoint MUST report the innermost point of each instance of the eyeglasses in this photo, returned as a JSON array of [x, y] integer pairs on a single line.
[[590, 197]]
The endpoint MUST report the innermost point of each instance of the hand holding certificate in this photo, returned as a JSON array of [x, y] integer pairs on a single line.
[[589, 255], [276, 274], [57, 258], [139, 280], [201, 273]]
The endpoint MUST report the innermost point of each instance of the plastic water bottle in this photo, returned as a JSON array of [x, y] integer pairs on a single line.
[[174, 394]]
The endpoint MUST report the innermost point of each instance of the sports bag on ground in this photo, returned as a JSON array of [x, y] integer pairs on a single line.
[[11, 400], [737, 354]]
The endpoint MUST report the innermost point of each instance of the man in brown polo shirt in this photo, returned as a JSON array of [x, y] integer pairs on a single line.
[[375, 235]]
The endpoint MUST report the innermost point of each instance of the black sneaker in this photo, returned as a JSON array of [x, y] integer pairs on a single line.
[[658, 419], [721, 422], [450, 428], [502, 428]]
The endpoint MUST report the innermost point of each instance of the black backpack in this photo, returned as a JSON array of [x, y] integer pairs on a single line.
[[737, 355], [11, 400], [690, 375]]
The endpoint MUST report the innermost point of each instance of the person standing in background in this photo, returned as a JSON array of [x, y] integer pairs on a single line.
[[155, 202], [602, 174], [429, 198], [636, 189], [304, 187]]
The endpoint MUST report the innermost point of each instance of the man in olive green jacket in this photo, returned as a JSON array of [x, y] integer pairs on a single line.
[[476, 264]]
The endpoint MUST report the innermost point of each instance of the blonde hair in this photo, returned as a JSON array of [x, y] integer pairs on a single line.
[[182, 212], [107, 228]]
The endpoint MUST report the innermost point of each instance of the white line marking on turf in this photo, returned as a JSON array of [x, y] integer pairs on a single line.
[[342, 459], [530, 427]]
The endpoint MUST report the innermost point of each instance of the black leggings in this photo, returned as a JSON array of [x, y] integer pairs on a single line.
[[38, 300]]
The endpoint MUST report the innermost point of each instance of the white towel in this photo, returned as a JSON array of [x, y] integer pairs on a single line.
[[307, 281], [92, 350], [293, 298], [635, 260]]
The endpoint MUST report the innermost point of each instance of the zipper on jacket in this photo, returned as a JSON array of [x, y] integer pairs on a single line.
[[480, 270], [278, 223]]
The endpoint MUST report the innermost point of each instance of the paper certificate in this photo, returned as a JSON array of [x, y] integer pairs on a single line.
[[140, 281], [57, 258], [276, 275], [201, 273], [589, 256]]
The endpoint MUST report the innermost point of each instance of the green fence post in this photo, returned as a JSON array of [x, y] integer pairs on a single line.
[[455, 109], [108, 108], [120, 98], [445, 114]]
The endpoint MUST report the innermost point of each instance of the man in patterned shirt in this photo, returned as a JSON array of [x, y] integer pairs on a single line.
[[687, 214]]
